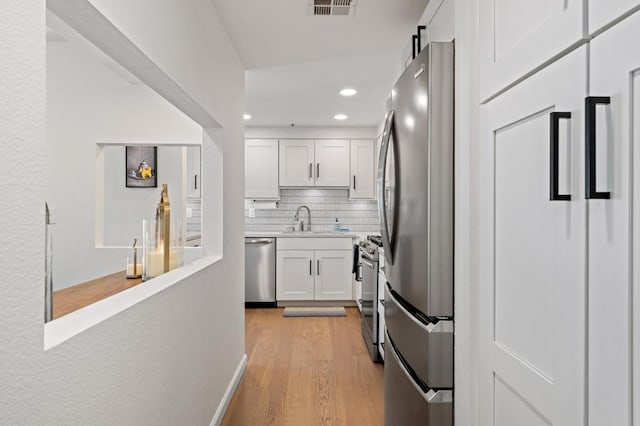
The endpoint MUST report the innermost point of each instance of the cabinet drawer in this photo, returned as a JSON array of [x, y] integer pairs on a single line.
[[315, 243]]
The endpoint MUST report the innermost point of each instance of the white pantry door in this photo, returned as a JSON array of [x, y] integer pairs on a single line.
[[533, 253], [614, 77]]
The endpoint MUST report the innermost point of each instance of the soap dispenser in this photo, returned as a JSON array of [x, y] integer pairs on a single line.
[[336, 225]]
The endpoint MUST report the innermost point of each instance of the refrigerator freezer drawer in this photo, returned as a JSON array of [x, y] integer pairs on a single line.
[[405, 403], [427, 348]]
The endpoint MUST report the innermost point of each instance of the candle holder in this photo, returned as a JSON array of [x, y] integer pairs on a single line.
[[162, 240], [153, 248], [134, 262]]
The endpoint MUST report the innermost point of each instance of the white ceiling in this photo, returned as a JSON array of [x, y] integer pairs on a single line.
[[296, 62]]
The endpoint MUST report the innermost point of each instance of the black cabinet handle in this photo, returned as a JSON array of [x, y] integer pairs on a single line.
[[310, 266], [590, 146], [195, 182], [317, 170], [318, 267], [414, 40], [354, 182], [553, 160], [419, 36]]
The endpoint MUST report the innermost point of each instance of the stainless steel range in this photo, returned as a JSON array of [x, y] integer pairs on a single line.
[[369, 302]]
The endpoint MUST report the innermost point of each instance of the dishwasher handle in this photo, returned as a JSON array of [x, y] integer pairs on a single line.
[[259, 241]]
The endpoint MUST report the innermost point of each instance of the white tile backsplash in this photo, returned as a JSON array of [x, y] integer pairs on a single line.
[[325, 206]]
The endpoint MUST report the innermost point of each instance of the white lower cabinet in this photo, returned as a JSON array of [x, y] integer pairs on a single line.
[[333, 275], [314, 269], [294, 275]]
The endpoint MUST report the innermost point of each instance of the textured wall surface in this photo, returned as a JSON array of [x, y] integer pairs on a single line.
[[169, 359], [325, 206], [22, 185]]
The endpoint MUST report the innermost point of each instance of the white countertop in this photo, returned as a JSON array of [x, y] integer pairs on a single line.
[[327, 234]]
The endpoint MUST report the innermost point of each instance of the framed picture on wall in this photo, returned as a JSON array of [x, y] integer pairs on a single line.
[[141, 166]]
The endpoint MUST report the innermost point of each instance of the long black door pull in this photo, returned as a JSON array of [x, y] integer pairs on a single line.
[[554, 149], [590, 147]]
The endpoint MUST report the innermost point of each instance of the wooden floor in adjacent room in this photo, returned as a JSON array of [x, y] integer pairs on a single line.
[[307, 371]]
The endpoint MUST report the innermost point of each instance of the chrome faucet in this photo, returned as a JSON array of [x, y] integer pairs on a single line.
[[296, 217]]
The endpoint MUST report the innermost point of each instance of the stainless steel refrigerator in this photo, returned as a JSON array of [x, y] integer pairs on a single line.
[[415, 197]]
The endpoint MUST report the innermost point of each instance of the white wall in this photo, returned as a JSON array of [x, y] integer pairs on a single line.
[[125, 208], [90, 104], [169, 359]]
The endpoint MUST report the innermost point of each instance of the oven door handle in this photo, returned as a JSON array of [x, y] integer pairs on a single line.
[[359, 273]]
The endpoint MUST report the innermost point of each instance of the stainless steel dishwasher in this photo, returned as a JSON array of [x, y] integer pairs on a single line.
[[260, 271]]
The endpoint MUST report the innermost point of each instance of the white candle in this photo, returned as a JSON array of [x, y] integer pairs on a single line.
[[131, 272], [155, 264]]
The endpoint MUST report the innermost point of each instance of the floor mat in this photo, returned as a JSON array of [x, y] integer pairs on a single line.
[[315, 312]]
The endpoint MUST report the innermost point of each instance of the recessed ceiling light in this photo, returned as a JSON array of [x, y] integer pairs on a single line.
[[340, 116], [348, 92], [246, 116]]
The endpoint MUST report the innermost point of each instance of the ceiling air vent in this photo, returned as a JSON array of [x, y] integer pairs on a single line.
[[332, 7]]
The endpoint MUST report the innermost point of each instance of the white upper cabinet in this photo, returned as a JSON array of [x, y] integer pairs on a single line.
[[297, 163], [603, 12], [194, 176], [261, 169], [363, 172], [516, 36], [322, 163], [332, 162], [533, 251]]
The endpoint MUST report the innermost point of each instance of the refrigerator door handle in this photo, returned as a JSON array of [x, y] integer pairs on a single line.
[[590, 148], [382, 166], [554, 149]]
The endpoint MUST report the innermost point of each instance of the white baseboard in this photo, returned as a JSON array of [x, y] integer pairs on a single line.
[[231, 390]]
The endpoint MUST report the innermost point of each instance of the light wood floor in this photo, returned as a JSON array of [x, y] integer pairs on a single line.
[[307, 371]]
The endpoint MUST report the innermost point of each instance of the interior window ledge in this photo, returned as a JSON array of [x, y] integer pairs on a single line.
[[74, 323]]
